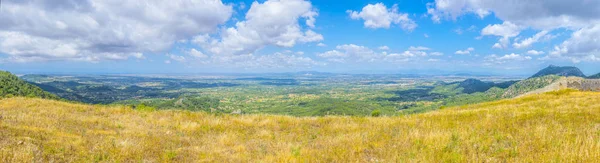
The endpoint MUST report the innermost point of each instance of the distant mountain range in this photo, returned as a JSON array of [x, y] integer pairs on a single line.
[[559, 71]]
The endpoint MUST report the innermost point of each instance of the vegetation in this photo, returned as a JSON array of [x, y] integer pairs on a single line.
[[560, 126], [528, 85], [11, 85], [597, 76], [559, 71], [295, 94]]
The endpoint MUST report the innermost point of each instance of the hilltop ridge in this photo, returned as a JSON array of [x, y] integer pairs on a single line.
[[559, 71], [596, 76]]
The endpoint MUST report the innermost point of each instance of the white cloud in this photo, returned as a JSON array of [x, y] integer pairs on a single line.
[[379, 16], [321, 44], [534, 52], [384, 48], [270, 61], [505, 30], [333, 56], [426, 35], [351, 52], [539, 14], [197, 54], [497, 46], [167, 62], [273, 22], [418, 48], [583, 45], [176, 57], [355, 53], [436, 53], [529, 41], [507, 58], [458, 31], [97, 30], [579, 16], [465, 52]]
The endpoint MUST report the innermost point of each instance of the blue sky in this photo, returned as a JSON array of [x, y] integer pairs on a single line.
[[212, 36]]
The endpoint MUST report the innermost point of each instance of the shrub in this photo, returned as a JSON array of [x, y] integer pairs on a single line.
[[376, 113], [143, 107]]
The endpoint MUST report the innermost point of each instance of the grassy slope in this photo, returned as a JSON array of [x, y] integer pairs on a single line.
[[559, 126]]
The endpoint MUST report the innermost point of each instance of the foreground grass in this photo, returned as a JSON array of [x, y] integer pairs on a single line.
[[559, 126]]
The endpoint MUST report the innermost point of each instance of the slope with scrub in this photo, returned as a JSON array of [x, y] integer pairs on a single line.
[[559, 126]]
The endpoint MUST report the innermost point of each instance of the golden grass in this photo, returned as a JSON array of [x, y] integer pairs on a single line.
[[560, 126]]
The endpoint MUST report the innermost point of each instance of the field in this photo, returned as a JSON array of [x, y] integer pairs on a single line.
[[295, 94], [560, 126]]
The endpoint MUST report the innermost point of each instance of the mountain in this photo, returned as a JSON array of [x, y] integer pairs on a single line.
[[559, 71], [545, 127], [597, 76], [11, 85], [473, 85]]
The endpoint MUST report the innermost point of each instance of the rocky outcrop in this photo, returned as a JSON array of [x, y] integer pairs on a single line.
[[590, 85], [570, 83]]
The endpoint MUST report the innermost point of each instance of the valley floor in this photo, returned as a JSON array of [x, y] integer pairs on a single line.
[[562, 126]]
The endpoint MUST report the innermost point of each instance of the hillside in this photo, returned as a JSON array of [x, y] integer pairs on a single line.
[[529, 85], [559, 71], [474, 85], [11, 85], [557, 126], [597, 76]]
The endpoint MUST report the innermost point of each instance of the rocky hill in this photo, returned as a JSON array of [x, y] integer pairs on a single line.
[[529, 85], [559, 71]]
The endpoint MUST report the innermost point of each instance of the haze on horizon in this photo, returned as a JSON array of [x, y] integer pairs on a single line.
[[505, 37]]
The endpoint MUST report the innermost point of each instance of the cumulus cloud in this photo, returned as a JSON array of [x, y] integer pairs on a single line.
[[529, 41], [384, 48], [583, 44], [351, 52], [581, 16], [465, 52], [334, 56], [507, 58], [96, 30], [274, 22], [197, 54], [270, 61], [436, 54], [505, 31], [418, 48], [539, 14], [535, 52], [321, 45], [379, 16], [176, 57], [355, 53]]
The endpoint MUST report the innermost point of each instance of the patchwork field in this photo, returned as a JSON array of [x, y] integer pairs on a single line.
[[560, 126]]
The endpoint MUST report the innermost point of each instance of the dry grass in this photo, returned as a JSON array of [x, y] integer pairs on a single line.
[[560, 126]]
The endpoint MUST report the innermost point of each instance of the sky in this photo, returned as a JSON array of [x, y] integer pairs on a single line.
[[502, 37]]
